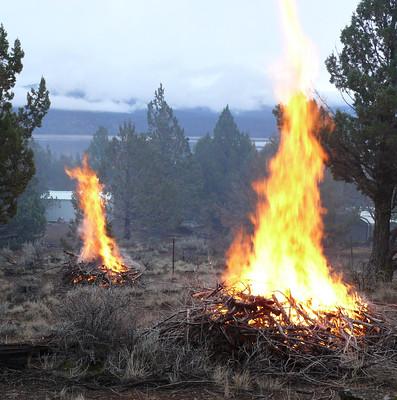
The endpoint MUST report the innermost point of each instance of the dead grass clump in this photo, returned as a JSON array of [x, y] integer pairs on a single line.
[[30, 253], [70, 394], [27, 287], [48, 362], [236, 382], [386, 293], [138, 362], [8, 330], [35, 310], [221, 378], [93, 320], [7, 290], [242, 381], [7, 255], [25, 321], [47, 289], [267, 384], [152, 358], [38, 328]]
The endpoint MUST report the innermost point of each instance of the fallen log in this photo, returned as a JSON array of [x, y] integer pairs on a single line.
[[20, 355]]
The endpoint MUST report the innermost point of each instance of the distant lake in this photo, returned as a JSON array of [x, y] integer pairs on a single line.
[[72, 144]]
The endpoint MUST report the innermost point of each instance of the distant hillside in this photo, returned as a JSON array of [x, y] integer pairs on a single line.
[[196, 121]]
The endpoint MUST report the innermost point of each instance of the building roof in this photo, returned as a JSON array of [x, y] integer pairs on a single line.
[[60, 194], [367, 216], [67, 195]]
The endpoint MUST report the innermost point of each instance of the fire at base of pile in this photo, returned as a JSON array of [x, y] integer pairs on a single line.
[[261, 335], [93, 273]]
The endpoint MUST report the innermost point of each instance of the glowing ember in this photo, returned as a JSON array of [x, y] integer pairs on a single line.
[[96, 242], [284, 254]]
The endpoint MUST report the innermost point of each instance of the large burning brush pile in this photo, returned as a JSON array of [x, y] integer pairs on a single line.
[[288, 311], [277, 335]]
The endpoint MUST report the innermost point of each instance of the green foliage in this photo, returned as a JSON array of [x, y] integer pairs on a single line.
[[16, 166], [366, 71], [29, 222], [342, 204], [128, 152], [226, 161], [165, 132], [153, 177], [98, 153], [50, 168], [16, 158], [363, 147], [172, 181]]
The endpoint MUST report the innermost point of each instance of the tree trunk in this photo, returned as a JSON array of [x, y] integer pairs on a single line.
[[380, 261]]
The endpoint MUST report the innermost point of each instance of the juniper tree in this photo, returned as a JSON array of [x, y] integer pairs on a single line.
[[16, 127], [29, 222], [362, 148]]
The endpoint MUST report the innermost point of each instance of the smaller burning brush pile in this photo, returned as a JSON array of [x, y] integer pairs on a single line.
[[100, 260], [277, 335], [95, 273]]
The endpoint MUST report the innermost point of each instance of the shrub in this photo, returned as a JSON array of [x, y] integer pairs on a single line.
[[96, 319]]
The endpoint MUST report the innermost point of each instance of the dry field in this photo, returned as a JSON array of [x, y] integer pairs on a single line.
[[93, 328]]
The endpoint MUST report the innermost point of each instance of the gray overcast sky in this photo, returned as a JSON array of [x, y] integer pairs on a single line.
[[205, 52]]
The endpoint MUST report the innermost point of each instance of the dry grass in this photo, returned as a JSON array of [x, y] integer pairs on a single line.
[[136, 362], [30, 282], [101, 330], [70, 394], [149, 357]]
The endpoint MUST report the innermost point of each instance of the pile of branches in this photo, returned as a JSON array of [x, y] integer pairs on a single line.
[[279, 336], [92, 273]]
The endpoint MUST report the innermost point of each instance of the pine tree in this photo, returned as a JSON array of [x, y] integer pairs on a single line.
[[173, 179], [226, 162], [164, 130], [127, 171], [98, 153]]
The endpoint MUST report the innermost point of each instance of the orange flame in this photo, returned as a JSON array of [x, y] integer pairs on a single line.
[[96, 242], [284, 254]]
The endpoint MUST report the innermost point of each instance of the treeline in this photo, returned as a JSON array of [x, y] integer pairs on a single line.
[[159, 185]]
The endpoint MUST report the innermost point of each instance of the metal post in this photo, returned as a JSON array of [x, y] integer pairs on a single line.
[[173, 256]]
